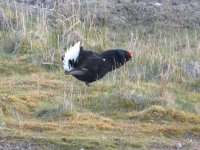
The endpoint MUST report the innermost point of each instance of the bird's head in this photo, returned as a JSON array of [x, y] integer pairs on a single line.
[[127, 55], [120, 57]]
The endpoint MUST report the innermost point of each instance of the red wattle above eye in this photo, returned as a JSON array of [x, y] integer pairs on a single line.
[[129, 53]]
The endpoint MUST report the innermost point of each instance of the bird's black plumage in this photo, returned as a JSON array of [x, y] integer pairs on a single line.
[[90, 66]]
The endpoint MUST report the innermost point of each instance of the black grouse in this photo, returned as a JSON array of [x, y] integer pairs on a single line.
[[89, 66]]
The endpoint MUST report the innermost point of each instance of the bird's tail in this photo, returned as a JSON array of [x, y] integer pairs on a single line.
[[71, 56]]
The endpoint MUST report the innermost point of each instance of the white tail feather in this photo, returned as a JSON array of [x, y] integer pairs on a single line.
[[71, 54]]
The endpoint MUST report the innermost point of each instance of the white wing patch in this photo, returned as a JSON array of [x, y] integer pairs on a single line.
[[71, 56]]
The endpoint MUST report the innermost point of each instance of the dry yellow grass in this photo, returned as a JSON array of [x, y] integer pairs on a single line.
[[103, 115]]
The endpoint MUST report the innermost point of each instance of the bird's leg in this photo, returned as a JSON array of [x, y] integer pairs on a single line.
[[87, 83]]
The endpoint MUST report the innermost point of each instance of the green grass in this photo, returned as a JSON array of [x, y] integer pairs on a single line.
[[104, 116], [114, 112]]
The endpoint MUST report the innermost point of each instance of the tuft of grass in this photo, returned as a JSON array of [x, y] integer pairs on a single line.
[[51, 111], [161, 114], [193, 85]]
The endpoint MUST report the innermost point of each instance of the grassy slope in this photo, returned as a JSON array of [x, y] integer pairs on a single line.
[[48, 107]]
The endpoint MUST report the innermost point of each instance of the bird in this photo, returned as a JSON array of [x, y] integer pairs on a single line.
[[89, 66]]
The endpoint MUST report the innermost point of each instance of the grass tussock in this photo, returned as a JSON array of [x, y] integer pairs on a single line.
[[161, 114], [74, 121]]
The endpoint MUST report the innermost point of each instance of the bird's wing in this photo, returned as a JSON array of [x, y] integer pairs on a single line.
[[71, 56], [79, 71], [92, 65]]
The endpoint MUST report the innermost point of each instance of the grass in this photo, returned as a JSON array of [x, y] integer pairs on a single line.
[[62, 111], [150, 103]]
